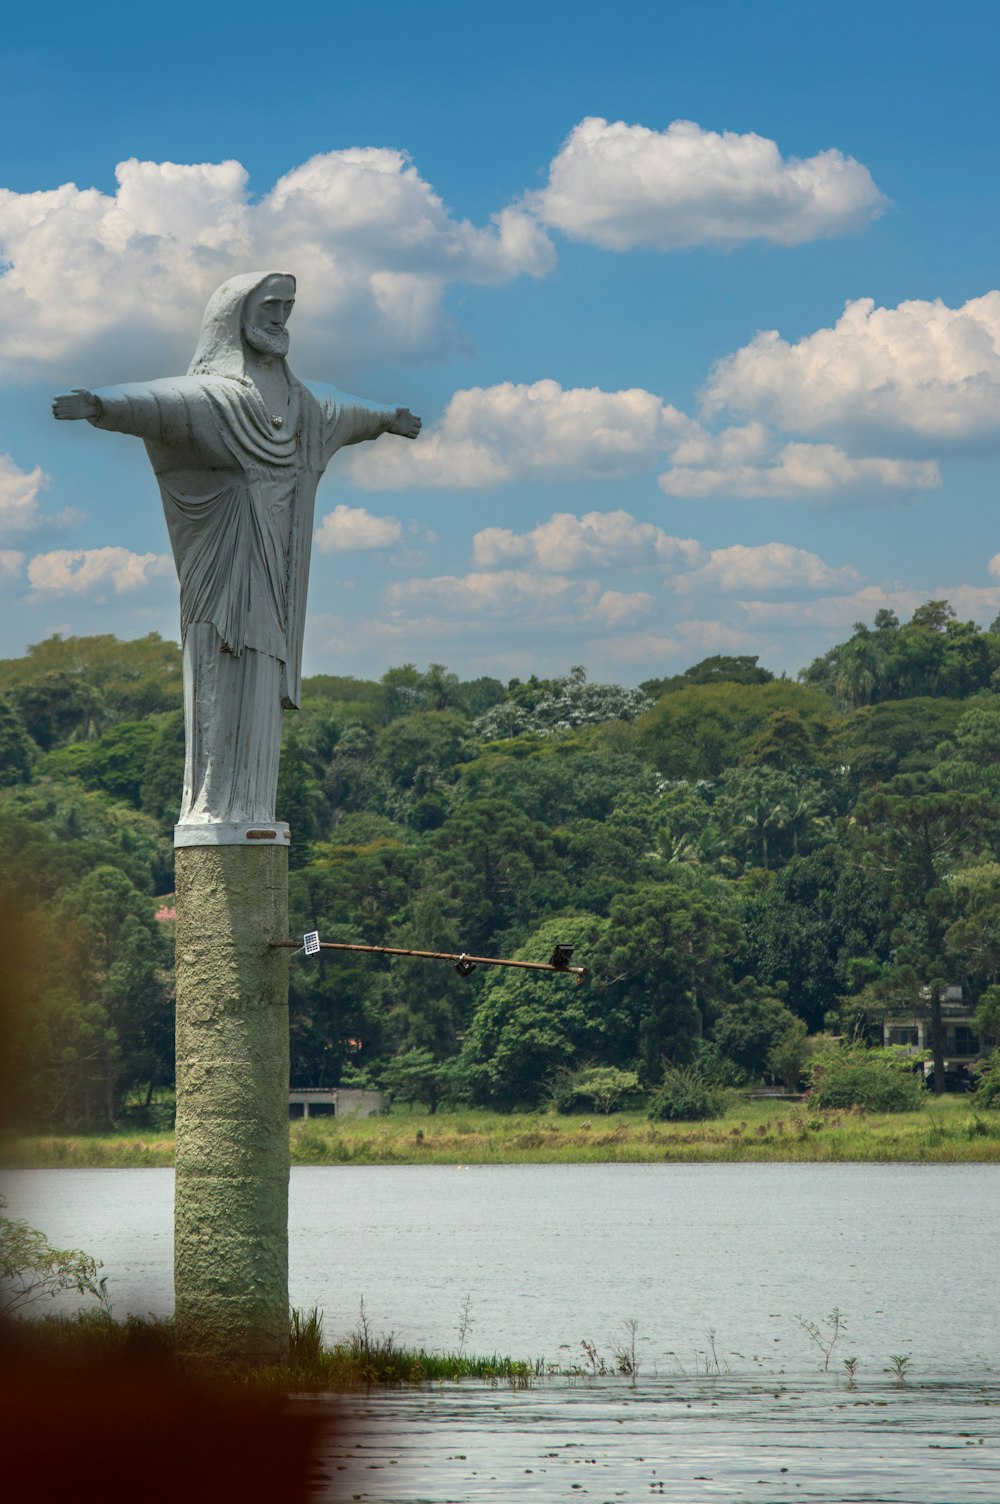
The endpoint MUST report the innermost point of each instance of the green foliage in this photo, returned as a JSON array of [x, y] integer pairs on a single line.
[[416, 1076], [69, 689], [933, 654], [16, 753], [902, 736], [789, 1054], [988, 1082], [528, 1026], [812, 925], [163, 779], [300, 799], [115, 762], [784, 743], [719, 669], [419, 754], [738, 860], [31, 1269], [750, 1029], [700, 731], [765, 815], [987, 1017], [600, 1088], [879, 1080], [970, 760], [683, 1096], [542, 707], [664, 964]]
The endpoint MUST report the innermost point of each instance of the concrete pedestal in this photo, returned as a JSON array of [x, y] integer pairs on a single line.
[[231, 1198]]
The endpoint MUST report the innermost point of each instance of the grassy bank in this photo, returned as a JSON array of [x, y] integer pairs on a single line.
[[361, 1359], [947, 1130]]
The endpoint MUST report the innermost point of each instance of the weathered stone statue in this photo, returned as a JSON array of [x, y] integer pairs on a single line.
[[238, 446]]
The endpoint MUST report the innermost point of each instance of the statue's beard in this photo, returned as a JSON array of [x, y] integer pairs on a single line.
[[267, 341]]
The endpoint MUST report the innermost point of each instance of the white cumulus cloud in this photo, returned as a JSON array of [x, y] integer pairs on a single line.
[[751, 462], [619, 186], [19, 508], [116, 283], [348, 530], [767, 567], [922, 373], [11, 563], [489, 435], [522, 596], [597, 539], [617, 606], [500, 593], [86, 571]]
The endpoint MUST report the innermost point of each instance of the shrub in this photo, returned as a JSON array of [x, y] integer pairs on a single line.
[[879, 1080], [684, 1096], [596, 1088], [988, 1082]]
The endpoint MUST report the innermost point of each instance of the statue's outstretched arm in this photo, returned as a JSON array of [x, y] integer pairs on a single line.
[[78, 403]]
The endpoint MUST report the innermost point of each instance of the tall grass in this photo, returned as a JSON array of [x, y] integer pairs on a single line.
[[363, 1359], [946, 1130]]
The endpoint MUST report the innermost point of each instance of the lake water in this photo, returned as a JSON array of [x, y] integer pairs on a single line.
[[543, 1257]]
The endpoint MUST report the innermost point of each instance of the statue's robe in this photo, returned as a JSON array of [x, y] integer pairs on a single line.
[[239, 498]]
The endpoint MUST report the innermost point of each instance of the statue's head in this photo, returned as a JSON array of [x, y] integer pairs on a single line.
[[265, 314], [246, 313]]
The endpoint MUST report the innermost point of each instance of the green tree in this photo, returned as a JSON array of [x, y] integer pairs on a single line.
[[784, 744], [120, 957], [599, 1088], [128, 680], [496, 870], [115, 762], [528, 1026], [163, 779], [664, 965], [879, 1080], [768, 816], [818, 928], [59, 707], [415, 1076], [698, 732], [419, 753], [919, 836], [970, 759], [751, 1027], [16, 752], [300, 799], [719, 669], [902, 736]]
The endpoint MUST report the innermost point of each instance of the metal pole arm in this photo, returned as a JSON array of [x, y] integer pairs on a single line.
[[462, 962]]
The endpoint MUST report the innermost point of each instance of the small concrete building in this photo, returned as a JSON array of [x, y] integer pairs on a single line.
[[910, 1028], [333, 1101]]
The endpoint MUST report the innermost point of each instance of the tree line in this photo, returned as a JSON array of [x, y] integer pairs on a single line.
[[742, 861]]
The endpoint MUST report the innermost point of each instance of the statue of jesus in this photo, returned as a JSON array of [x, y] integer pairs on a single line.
[[238, 446]]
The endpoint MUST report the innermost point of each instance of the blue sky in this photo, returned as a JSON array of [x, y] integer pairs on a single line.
[[698, 303]]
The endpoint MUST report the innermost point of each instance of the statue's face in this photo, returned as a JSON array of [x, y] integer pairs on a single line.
[[265, 314]]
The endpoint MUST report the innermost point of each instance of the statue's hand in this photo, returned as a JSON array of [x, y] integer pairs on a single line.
[[405, 423], [76, 404]]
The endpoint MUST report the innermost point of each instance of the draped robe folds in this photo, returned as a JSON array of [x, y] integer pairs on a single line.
[[239, 497]]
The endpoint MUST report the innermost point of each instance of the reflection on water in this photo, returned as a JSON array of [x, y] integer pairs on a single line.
[[550, 1255]]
